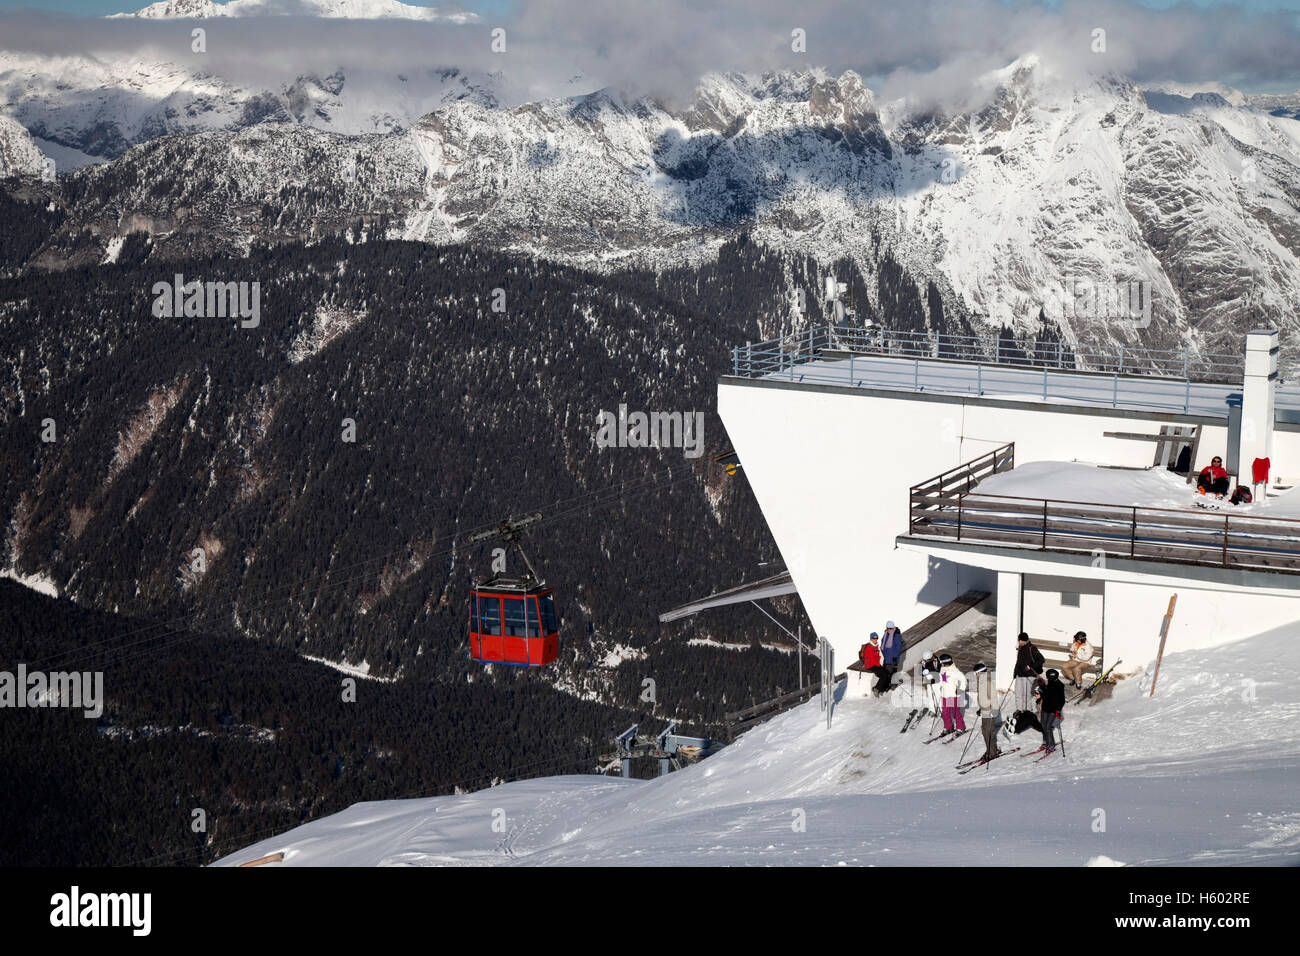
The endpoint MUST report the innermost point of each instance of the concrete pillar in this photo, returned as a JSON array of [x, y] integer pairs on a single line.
[[1010, 591], [1257, 396]]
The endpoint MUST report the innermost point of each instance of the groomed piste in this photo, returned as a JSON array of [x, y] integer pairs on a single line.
[[1205, 772]]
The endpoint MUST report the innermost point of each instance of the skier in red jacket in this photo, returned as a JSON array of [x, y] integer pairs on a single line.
[[1213, 479]]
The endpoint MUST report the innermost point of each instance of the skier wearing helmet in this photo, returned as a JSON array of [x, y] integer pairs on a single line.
[[1051, 697], [952, 684]]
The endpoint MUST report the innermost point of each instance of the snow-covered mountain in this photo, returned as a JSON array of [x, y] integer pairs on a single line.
[[1046, 182], [103, 107], [19, 154], [338, 9], [793, 792]]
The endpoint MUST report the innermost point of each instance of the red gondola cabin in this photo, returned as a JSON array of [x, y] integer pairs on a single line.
[[512, 622]]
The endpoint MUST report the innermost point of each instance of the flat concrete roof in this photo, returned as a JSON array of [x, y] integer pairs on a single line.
[[1035, 386]]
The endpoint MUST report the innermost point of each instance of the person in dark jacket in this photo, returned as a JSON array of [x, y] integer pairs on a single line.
[[874, 662], [1051, 698], [1213, 479], [1029, 664], [891, 645]]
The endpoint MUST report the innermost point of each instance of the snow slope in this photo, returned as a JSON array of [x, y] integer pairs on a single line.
[[19, 154], [1203, 773]]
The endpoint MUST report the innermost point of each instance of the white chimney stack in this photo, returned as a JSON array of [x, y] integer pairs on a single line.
[[1257, 396]]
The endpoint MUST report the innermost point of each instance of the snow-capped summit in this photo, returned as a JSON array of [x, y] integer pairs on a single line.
[[331, 9]]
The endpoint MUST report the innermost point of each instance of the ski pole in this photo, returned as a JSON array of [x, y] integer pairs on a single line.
[[969, 737], [997, 714]]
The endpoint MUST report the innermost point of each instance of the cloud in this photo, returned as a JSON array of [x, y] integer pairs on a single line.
[[931, 48]]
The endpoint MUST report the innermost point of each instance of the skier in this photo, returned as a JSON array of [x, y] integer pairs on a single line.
[[930, 668], [1029, 664], [1051, 698], [1080, 658], [952, 684], [984, 701], [892, 645], [874, 663], [1213, 479]]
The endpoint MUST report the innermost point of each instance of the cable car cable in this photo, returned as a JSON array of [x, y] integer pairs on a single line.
[[611, 495]]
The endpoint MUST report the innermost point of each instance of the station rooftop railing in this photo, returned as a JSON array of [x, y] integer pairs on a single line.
[[1174, 380]]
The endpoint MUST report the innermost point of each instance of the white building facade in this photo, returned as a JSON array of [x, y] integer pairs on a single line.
[[832, 457]]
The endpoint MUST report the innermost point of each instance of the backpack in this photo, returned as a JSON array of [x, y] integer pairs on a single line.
[[1242, 495], [862, 654], [1023, 720], [1036, 656]]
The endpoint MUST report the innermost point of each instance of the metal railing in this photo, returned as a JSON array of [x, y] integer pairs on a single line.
[[1166, 380], [758, 359], [950, 507]]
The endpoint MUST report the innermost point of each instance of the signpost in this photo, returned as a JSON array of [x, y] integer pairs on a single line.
[[1164, 635]]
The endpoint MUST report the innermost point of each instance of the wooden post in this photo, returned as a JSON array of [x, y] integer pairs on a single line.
[[1164, 635], [269, 858]]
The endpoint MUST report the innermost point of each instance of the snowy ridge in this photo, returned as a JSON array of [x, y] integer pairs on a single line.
[[19, 154], [1203, 773], [1042, 181]]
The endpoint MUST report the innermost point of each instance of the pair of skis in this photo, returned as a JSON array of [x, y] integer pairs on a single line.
[[1044, 752], [1087, 692], [970, 765], [914, 720], [948, 736]]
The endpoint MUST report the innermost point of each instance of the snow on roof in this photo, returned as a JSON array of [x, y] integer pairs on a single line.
[[1087, 482], [1093, 484]]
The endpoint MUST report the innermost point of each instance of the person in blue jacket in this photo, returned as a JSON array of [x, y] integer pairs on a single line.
[[891, 645]]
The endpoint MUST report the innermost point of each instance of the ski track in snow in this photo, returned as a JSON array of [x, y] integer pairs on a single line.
[[1204, 773]]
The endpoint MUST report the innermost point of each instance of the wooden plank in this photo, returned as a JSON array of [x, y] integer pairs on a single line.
[[772, 703], [931, 531], [938, 618], [1243, 559], [1136, 436], [1191, 466], [1264, 542]]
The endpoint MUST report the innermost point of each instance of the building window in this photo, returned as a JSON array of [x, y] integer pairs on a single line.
[[1069, 599]]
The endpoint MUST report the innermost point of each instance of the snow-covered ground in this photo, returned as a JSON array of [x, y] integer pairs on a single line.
[[1085, 482], [1205, 772], [37, 582], [355, 670]]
